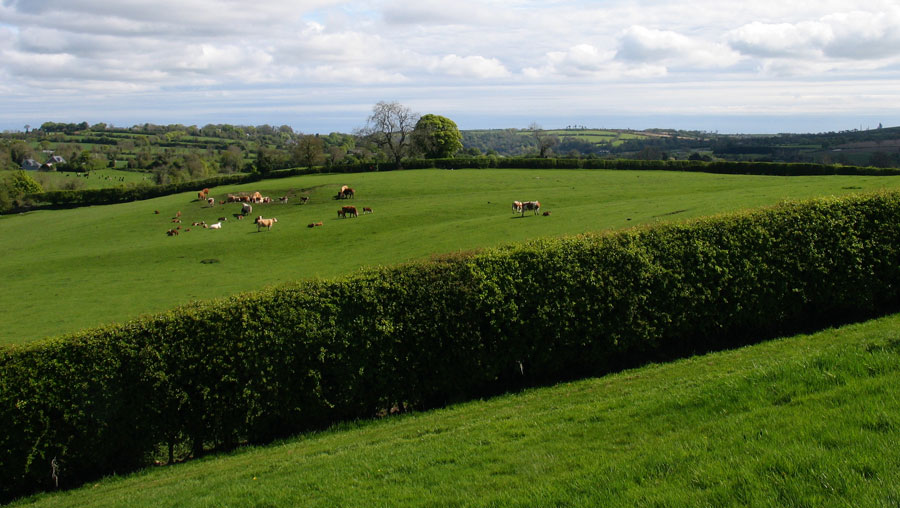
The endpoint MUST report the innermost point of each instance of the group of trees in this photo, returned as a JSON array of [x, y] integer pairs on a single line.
[[392, 133], [399, 132]]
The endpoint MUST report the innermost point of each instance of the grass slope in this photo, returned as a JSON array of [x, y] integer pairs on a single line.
[[99, 179], [65, 270], [810, 420]]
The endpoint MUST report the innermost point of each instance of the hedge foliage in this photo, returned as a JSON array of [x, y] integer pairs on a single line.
[[267, 364], [86, 197]]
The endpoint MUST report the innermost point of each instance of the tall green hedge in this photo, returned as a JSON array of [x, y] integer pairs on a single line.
[[262, 365]]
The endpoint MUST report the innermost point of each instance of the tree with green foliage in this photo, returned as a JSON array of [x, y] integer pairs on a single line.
[[436, 136], [19, 151], [269, 159], [309, 151], [13, 191], [232, 159], [22, 183]]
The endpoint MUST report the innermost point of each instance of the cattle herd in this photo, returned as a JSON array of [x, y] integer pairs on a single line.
[[247, 200]]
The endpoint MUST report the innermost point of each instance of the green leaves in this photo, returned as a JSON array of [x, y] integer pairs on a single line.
[[263, 365]]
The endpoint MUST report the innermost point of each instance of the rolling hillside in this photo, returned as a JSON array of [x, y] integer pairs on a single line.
[[78, 268]]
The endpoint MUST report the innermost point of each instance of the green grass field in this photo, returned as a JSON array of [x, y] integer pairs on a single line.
[[99, 179], [806, 421], [615, 138], [65, 270]]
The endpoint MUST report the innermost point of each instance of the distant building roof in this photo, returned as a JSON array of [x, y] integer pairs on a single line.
[[31, 164]]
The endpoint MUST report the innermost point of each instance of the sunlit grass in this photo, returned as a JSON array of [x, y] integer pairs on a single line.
[[810, 420], [65, 270]]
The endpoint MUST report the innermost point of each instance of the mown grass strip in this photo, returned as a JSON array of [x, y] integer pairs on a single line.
[[809, 420]]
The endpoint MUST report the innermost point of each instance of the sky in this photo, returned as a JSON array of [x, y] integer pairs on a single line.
[[320, 66]]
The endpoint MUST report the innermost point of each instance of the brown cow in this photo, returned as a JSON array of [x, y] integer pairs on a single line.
[[534, 206], [267, 223], [349, 211], [366, 209]]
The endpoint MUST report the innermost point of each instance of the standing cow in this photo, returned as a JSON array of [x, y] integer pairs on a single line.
[[534, 206]]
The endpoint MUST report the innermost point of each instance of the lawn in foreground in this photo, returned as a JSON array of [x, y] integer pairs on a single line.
[[65, 270], [810, 420]]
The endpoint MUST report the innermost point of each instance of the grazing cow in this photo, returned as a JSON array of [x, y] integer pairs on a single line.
[[366, 209], [201, 195], [348, 192], [172, 232], [342, 213], [211, 201], [517, 207], [304, 200], [283, 200], [246, 209], [349, 211], [267, 223], [534, 206]]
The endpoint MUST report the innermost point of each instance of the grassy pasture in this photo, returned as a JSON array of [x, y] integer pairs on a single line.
[[616, 138], [810, 420], [69, 269], [99, 179]]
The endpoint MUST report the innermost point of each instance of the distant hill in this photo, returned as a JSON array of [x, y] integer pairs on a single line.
[[875, 147]]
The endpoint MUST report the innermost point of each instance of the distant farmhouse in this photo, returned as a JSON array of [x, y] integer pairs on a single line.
[[53, 160], [33, 165]]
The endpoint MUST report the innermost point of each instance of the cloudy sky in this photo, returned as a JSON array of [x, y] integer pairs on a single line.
[[320, 65]]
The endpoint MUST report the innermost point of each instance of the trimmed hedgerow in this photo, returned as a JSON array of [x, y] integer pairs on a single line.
[[267, 364]]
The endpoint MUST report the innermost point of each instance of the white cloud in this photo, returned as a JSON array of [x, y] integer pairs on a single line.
[[646, 45], [857, 35], [470, 66], [361, 51]]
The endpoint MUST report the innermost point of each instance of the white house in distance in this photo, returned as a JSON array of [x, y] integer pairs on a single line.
[[33, 165]]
